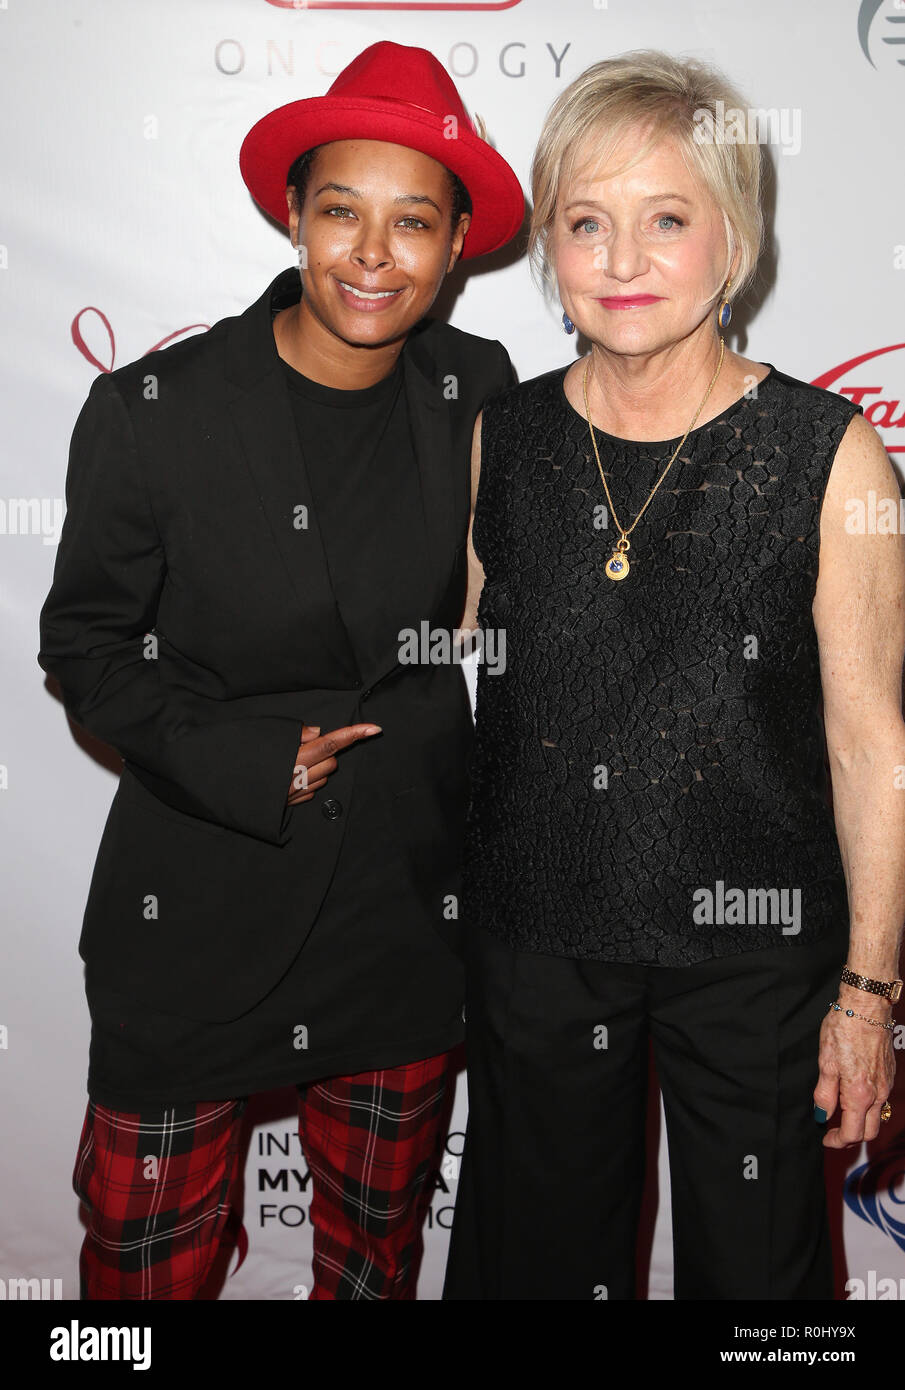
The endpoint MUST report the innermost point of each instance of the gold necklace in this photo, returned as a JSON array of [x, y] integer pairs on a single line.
[[617, 566]]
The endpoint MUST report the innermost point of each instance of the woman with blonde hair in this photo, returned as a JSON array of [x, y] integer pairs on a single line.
[[651, 854]]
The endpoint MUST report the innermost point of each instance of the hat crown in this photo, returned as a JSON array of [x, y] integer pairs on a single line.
[[386, 68], [399, 95]]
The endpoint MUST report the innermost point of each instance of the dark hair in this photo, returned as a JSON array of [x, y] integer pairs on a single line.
[[300, 169]]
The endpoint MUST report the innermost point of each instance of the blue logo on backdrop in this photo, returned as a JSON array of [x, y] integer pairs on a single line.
[[870, 1192]]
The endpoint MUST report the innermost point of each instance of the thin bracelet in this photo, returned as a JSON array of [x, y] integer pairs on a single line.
[[850, 1013]]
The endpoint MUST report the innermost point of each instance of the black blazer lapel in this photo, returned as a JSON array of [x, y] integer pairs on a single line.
[[431, 430], [262, 413], [265, 426], [433, 444], [432, 439]]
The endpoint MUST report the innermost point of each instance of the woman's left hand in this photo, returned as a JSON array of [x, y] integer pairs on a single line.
[[857, 1069]]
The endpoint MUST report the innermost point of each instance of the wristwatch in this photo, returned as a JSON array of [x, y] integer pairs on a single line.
[[890, 989]]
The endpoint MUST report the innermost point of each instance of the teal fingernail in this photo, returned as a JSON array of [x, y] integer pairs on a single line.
[[820, 1116]]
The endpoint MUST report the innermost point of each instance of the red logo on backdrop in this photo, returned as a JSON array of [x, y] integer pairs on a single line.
[[85, 350], [856, 380], [392, 4], [848, 379]]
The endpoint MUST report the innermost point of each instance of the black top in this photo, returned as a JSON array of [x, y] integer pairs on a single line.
[[654, 742], [373, 985], [367, 503]]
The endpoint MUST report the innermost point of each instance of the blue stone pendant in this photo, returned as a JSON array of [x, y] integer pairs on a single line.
[[616, 566], [725, 314]]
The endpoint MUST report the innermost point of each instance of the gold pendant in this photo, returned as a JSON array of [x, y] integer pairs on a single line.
[[617, 565]]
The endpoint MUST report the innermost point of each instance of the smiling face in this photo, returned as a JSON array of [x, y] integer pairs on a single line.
[[376, 225], [639, 257]]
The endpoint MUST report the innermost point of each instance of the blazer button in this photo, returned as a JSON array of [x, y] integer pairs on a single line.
[[332, 808]]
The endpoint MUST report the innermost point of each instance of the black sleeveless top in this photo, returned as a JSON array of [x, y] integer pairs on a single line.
[[649, 781]]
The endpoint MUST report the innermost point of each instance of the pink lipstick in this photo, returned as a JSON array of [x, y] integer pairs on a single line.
[[629, 301]]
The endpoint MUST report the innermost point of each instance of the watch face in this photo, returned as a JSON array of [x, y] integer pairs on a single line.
[[895, 991]]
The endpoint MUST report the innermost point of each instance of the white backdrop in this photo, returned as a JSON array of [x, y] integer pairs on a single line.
[[124, 222]]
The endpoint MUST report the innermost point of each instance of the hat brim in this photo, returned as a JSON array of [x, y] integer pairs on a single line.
[[276, 141]]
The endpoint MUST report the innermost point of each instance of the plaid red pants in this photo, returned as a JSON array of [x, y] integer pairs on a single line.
[[157, 1185]]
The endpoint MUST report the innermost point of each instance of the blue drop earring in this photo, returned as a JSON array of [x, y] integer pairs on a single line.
[[567, 323], [724, 312]]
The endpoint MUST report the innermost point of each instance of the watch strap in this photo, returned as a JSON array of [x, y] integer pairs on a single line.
[[889, 989]]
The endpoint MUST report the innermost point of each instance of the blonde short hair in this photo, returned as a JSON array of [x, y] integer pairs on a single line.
[[661, 94]]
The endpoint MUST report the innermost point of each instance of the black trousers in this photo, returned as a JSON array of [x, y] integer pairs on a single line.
[[553, 1167]]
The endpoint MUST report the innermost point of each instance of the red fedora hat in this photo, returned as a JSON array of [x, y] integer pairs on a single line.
[[406, 97]]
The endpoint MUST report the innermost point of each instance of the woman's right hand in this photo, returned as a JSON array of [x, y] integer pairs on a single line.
[[315, 759]]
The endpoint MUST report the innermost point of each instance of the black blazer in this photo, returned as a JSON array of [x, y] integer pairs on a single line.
[[192, 625]]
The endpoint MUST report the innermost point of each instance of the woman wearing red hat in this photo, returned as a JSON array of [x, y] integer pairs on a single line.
[[256, 519]]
